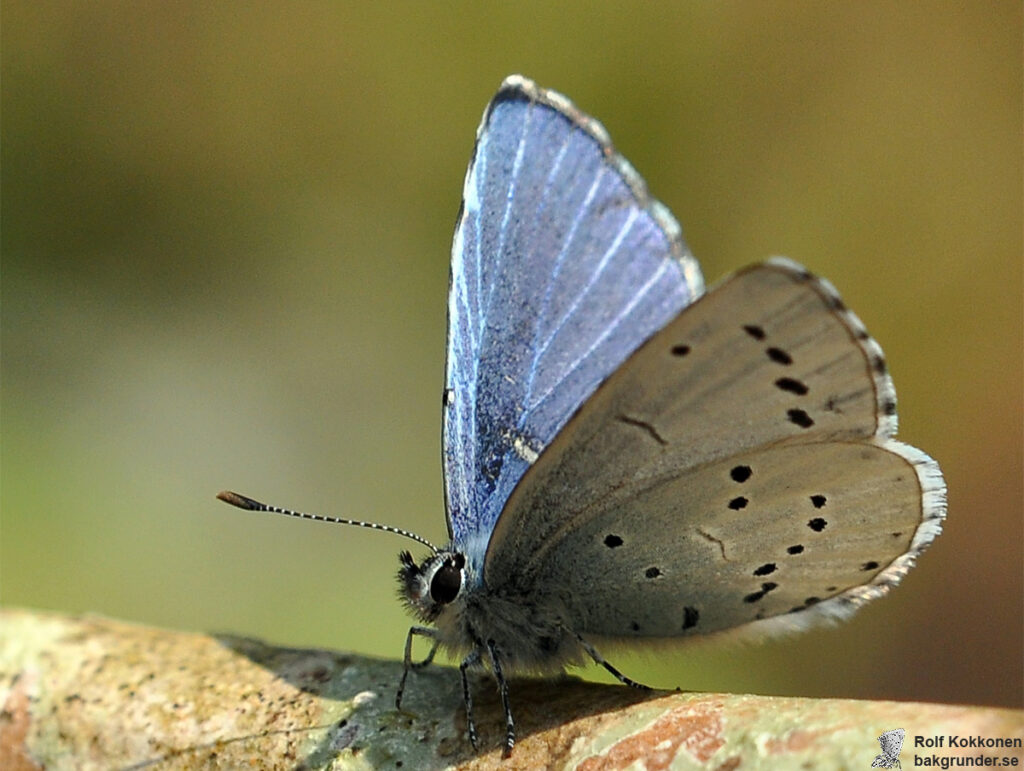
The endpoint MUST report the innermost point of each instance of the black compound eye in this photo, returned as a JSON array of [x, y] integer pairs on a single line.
[[447, 581]]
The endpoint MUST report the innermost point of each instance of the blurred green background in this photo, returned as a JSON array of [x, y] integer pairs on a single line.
[[225, 259]]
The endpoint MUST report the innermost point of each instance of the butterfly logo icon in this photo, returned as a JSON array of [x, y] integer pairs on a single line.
[[892, 743]]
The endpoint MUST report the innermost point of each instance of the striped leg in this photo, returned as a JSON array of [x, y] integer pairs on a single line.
[[471, 660], [600, 660], [510, 728], [422, 631]]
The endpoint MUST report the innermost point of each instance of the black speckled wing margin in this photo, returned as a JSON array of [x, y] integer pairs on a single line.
[[739, 469], [561, 266]]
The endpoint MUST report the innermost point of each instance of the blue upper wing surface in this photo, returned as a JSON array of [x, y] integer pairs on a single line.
[[561, 266]]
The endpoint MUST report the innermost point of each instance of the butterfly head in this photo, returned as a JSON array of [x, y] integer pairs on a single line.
[[427, 589]]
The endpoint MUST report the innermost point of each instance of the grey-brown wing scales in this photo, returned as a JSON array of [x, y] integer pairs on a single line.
[[738, 467], [702, 552]]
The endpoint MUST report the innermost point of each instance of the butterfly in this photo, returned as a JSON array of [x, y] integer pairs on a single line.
[[627, 456], [892, 743]]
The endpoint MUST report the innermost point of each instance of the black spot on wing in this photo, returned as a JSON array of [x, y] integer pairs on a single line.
[[738, 503], [754, 331], [791, 385], [817, 524], [612, 541], [800, 418], [740, 473], [807, 603], [680, 350], [818, 501], [835, 303], [690, 617], [779, 356], [759, 595]]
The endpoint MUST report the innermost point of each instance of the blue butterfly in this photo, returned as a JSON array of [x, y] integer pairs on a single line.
[[627, 457]]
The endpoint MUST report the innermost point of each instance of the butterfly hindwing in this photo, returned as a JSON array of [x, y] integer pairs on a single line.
[[561, 266], [739, 466], [789, 537]]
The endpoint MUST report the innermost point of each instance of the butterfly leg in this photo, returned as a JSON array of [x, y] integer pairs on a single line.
[[600, 660], [471, 660], [423, 631], [510, 726]]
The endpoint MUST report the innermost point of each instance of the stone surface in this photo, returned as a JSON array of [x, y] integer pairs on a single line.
[[90, 692]]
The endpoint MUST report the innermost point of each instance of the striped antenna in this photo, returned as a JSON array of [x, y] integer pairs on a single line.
[[244, 502]]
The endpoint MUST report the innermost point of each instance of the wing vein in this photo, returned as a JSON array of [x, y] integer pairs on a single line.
[[559, 259], [506, 214], [655, 277], [570, 237]]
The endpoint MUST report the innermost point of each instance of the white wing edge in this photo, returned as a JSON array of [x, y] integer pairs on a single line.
[[933, 502], [661, 214], [929, 477], [885, 391], [840, 607]]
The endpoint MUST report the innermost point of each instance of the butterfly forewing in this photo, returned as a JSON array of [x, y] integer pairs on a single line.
[[561, 267], [737, 467]]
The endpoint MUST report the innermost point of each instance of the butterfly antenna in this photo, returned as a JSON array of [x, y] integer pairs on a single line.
[[249, 504]]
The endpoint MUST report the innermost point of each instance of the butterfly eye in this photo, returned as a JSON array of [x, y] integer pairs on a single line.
[[447, 581]]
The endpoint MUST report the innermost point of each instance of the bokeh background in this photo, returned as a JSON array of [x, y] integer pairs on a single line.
[[225, 258]]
